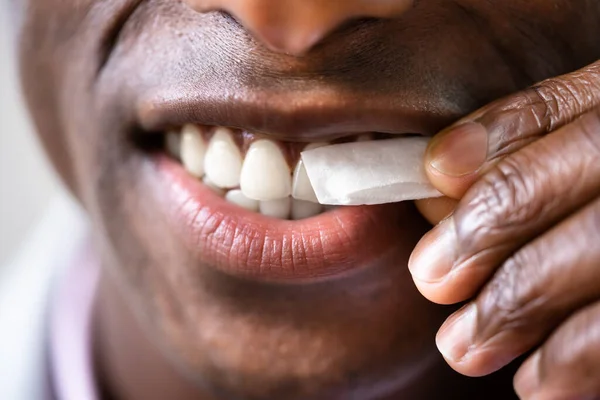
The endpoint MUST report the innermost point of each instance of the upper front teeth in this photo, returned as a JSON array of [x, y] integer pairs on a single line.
[[262, 181], [302, 188], [193, 150], [237, 197], [211, 184], [265, 174], [223, 162]]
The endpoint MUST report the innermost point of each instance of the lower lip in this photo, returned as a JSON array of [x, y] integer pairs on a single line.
[[249, 245]]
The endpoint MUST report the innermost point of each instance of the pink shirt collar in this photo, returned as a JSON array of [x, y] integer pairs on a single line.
[[70, 344]]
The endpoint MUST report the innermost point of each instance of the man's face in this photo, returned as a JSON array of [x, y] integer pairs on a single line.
[[254, 305]]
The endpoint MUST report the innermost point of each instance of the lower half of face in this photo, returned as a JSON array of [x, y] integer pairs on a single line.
[[181, 135]]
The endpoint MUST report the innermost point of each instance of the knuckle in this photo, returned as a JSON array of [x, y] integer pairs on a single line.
[[514, 300], [555, 103], [558, 101], [499, 212], [541, 109], [501, 201], [544, 107]]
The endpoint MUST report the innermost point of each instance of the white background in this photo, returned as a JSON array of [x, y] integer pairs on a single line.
[[27, 183]]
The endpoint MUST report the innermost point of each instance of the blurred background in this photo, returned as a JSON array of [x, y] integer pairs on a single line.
[[27, 184]]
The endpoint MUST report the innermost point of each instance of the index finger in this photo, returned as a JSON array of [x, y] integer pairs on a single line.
[[458, 155]]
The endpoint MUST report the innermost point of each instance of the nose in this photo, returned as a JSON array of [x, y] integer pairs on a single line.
[[295, 26]]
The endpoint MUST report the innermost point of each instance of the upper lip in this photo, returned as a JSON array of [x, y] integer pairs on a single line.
[[315, 115]]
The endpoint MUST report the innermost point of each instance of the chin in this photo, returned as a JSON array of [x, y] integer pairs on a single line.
[[364, 331]]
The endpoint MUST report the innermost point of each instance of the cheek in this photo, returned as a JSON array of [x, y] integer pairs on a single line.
[[38, 51]]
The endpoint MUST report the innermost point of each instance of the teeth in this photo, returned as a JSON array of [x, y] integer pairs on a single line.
[[261, 182], [304, 209], [212, 185], [279, 208], [302, 188], [173, 144], [223, 161], [192, 150], [265, 174], [237, 197]]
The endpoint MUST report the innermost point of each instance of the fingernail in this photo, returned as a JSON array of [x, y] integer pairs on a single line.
[[460, 151], [455, 338], [526, 380], [433, 257]]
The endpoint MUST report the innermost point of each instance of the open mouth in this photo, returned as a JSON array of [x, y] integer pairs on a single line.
[[241, 203], [226, 176], [251, 171]]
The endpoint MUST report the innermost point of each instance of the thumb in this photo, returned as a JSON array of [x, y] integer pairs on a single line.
[[460, 154]]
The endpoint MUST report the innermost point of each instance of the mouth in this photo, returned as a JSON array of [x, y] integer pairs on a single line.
[[250, 170], [232, 189], [243, 204]]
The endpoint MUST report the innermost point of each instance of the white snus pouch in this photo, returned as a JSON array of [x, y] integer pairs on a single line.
[[371, 172]]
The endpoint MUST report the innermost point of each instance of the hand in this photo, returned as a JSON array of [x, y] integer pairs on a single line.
[[522, 242]]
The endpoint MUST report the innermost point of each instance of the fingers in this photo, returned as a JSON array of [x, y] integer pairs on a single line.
[[519, 199], [457, 156], [436, 209], [528, 297], [567, 366]]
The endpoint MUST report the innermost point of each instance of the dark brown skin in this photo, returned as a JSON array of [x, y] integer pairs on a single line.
[[523, 243], [170, 326]]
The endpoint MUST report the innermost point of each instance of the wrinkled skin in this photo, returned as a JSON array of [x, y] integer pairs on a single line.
[[523, 242], [170, 325]]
